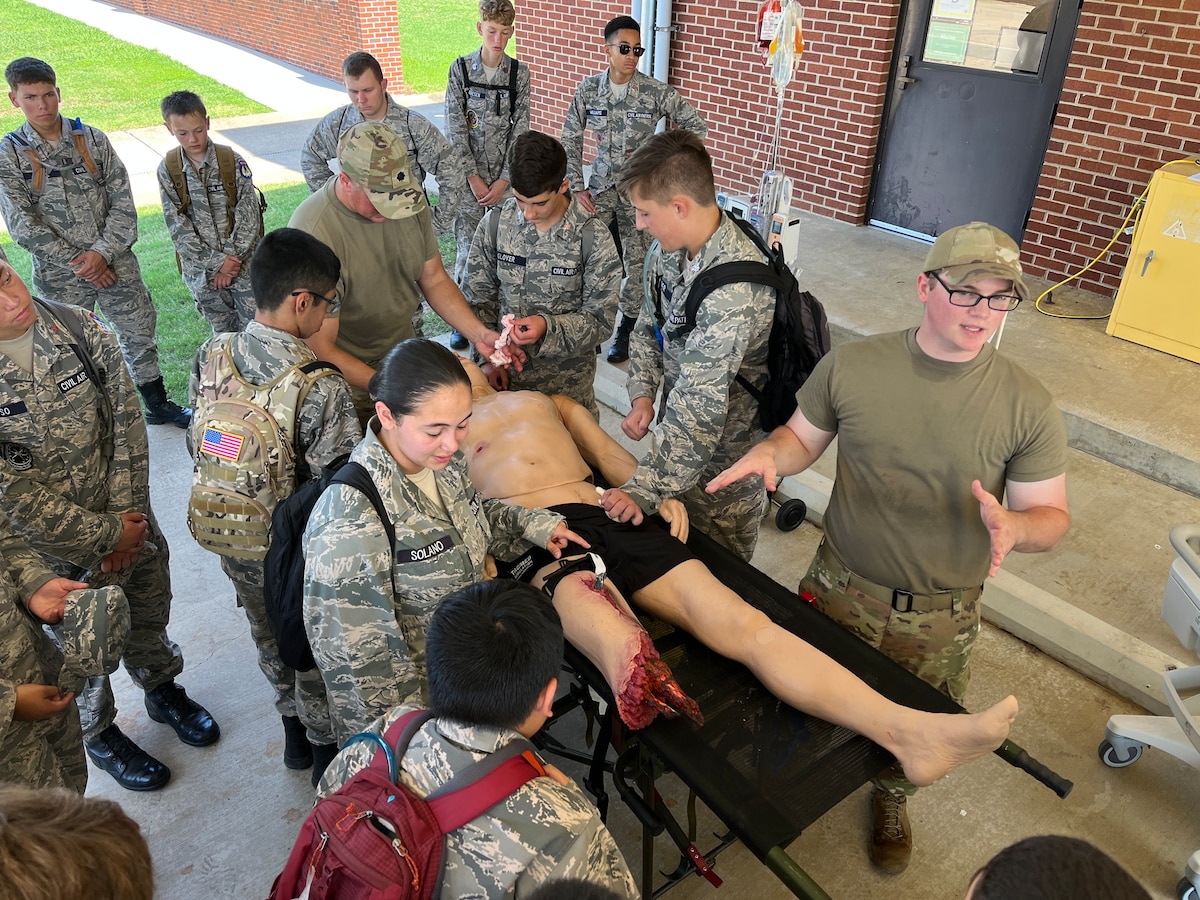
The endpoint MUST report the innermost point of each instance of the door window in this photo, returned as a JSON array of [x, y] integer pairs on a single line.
[[994, 35]]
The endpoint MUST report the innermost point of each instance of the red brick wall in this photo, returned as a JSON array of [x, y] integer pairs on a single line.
[[315, 35], [1129, 104]]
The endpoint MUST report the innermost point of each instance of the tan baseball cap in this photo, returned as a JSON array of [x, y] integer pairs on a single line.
[[977, 250], [374, 158]]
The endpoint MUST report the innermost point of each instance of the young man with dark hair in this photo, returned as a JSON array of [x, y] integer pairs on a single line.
[[706, 420], [1054, 867], [951, 428], [428, 151], [493, 652], [544, 260], [66, 199], [623, 107], [295, 279], [213, 238], [75, 483]]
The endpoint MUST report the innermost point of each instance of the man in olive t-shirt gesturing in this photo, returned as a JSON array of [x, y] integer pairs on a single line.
[[934, 427], [375, 217]]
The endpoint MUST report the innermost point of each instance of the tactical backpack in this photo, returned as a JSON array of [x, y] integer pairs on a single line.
[[283, 568], [376, 839], [83, 157], [799, 330], [227, 167], [243, 451], [469, 85]]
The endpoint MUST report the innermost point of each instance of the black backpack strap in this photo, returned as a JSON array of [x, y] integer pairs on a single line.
[[513, 71], [356, 476], [466, 79], [68, 317]]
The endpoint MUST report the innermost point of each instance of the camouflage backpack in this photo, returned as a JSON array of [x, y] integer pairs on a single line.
[[243, 448]]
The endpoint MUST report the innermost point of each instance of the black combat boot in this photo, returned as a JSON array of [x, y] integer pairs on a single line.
[[619, 351], [322, 755], [457, 341], [161, 409], [297, 751], [169, 703], [133, 768]]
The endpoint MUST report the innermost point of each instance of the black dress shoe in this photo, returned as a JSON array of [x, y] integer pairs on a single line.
[[132, 767], [297, 751], [169, 703]]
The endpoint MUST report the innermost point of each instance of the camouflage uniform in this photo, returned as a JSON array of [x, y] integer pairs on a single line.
[[428, 153], [77, 212], [482, 133], [64, 485], [200, 237], [545, 831], [620, 127], [366, 607], [48, 753], [325, 428], [706, 420], [526, 273]]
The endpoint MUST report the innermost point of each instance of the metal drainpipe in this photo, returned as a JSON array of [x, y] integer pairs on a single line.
[[643, 11], [662, 39]]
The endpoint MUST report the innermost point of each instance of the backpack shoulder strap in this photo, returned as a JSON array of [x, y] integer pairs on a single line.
[[81, 147], [69, 319], [227, 167], [513, 71], [38, 182], [466, 82], [479, 787], [174, 161], [355, 475]]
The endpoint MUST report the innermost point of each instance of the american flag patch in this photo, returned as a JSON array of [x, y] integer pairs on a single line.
[[222, 444]]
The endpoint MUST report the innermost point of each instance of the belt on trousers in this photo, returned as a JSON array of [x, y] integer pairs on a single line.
[[899, 600]]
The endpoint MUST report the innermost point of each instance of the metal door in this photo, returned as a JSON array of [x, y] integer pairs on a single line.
[[971, 101]]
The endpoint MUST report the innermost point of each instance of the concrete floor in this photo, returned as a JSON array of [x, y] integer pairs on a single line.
[[224, 825]]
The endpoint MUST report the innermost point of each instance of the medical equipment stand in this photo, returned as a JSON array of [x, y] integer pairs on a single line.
[[1125, 737]]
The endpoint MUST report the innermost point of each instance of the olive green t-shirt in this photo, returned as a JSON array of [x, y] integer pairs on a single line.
[[381, 262], [913, 433]]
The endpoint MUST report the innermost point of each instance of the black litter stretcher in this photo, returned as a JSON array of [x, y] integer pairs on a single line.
[[766, 770]]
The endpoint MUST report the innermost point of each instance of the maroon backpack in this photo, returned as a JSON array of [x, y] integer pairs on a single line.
[[375, 839]]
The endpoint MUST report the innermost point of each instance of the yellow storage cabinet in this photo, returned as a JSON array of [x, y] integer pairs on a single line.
[[1158, 304]]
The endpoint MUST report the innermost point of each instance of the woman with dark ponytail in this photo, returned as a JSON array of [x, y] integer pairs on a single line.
[[367, 604]]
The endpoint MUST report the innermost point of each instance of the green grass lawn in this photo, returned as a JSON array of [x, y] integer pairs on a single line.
[[109, 83], [181, 328], [432, 35]]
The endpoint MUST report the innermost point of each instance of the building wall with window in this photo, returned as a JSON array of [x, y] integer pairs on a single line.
[[314, 35], [1129, 104]]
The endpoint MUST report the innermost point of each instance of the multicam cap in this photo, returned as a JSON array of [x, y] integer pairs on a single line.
[[92, 633], [374, 158], [970, 252]]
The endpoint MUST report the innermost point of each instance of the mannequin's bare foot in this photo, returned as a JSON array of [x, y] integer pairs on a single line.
[[932, 744]]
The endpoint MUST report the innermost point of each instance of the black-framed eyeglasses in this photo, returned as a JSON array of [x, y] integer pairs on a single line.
[[959, 297], [626, 49], [334, 302]]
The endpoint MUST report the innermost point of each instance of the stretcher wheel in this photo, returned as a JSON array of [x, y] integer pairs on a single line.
[[791, 515], [1111, 756], [1185, 890]]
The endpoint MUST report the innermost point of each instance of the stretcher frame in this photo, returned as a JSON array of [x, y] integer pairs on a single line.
[[825, 763]]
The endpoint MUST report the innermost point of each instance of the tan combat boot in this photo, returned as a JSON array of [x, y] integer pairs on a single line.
[[891, 836]]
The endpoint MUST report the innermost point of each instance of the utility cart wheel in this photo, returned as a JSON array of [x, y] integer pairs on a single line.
[[1112, 757], [791, 515], [1185, 890]]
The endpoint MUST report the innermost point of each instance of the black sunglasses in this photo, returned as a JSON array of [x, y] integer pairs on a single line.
[[626, 49]]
